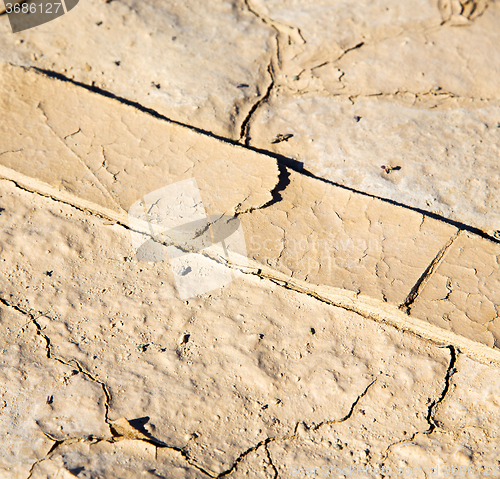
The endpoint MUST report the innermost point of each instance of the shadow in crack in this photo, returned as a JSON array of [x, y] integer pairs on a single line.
[[76, 470], [140, 424], [283, 182], [135, 429]]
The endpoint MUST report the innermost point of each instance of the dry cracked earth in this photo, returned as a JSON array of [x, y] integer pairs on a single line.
[[354, 144]]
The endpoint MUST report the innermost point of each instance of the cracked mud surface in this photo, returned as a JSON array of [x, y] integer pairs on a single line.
[[261, 375], [163, 64], [390, 85], [355, 144]]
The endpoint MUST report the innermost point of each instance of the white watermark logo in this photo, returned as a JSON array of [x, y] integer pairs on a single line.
[[170, 224]]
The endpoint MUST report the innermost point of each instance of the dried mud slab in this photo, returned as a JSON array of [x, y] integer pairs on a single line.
[[463, 293], [330, 236], [113, 154], [41, 399], [440, 157], [215, 375], [461, 436], [200, 64], [405, 93], [228, 268]]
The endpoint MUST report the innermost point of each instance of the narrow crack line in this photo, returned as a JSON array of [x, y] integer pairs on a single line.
[[56, 445], [293, 32], [292, 287], [244, 130], [155, 114], [11, 151], [114, 433], [345, 52], [433, 424], [32, 468], [99, 184], [426, 275], [419, 96], [270, 459], [244, 454], [265, 442], [351, 410], [72, 134], [59, 200], [104, 388], [125, 101]]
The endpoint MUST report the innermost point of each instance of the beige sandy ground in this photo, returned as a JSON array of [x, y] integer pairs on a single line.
[[361, 340]]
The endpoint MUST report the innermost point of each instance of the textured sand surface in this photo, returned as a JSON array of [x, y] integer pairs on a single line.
[[359, 335]]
